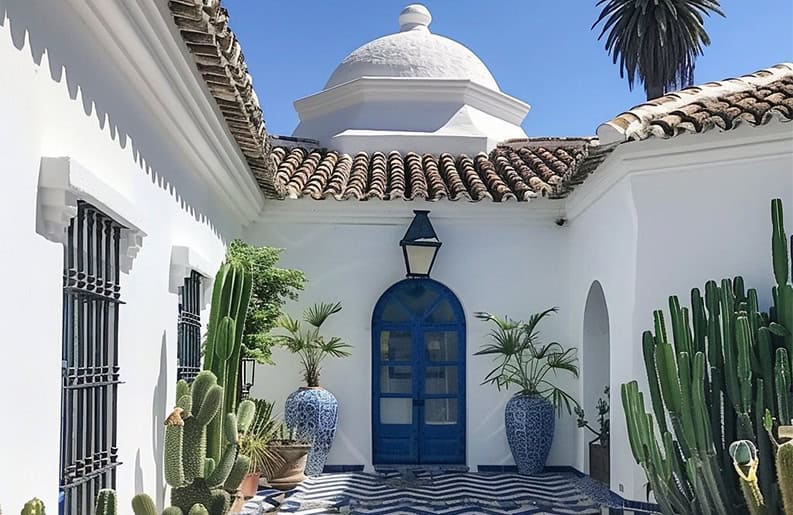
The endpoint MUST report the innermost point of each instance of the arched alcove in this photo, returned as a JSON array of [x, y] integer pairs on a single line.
[[595, 356]]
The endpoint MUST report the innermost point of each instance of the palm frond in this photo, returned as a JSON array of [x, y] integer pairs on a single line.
[[656, 42], [317, 314]]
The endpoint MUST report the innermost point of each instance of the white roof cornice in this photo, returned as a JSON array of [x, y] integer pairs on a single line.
[[150, 53], [409, 89]]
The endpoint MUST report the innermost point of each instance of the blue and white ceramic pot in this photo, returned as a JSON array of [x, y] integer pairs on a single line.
[[529, 421], [313, 413]]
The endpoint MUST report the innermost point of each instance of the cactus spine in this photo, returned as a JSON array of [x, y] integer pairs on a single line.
[[33, 507], [725, 364], [230, 297], [106, 503]]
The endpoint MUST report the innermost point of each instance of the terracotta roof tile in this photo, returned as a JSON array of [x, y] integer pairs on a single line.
[[754, 99], [515, 171], [204, 27]]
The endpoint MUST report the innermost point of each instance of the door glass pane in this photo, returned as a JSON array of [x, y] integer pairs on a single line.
[[440, 346], [417, 298], [395, 346], [396, 411], [396, 380], [393, 312], [440, 380], [440, 411], [442, 314]]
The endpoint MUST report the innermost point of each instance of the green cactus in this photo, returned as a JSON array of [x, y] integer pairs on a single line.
[[784, 469], [230, 298], [106, 503], [142, 504], [710, 384], [33, 507], [194, 477]]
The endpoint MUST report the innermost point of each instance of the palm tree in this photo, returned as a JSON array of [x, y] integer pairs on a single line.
[[656, 40]]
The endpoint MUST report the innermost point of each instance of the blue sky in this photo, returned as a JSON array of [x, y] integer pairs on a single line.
[[540, 51]]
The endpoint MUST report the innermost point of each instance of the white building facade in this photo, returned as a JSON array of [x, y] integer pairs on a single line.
[[142, 118]]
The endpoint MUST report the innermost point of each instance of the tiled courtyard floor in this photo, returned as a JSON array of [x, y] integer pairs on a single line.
[[450, 493]]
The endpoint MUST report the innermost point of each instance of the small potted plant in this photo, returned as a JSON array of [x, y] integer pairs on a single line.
[[292, 451], [599, 461], [256, 444], [523, 361], [312, 411]]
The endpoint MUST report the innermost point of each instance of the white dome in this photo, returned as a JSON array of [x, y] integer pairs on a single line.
[[413, 52]]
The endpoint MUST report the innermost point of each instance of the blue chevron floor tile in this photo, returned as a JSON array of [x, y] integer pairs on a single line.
[[455, 493]]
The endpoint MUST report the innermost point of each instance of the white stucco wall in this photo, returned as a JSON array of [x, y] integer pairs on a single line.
[[507, 259], [68, 94], [652, 222]]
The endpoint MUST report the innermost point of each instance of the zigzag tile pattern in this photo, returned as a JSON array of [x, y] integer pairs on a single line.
[[452, 494], [511, 172]]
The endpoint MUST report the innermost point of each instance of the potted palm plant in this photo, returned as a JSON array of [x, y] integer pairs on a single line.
[[524, 362], [313, 411], [599, 460]]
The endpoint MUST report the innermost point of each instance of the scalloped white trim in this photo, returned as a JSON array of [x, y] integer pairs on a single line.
[[62, 182]]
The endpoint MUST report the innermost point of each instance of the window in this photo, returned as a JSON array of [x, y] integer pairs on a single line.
[[189, 347], [90, 371]]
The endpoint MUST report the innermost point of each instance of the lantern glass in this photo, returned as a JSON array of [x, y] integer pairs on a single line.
[[419, 258]]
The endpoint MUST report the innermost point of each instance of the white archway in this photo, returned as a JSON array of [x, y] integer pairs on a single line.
[[595, 356]]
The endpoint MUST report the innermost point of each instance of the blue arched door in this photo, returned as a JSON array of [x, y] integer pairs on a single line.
[[418, 375]]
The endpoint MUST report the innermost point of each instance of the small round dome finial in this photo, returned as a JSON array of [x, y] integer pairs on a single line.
[[414, 17]]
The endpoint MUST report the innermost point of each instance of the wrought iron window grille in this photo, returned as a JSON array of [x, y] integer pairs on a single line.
[[90, 367], [189, 333]]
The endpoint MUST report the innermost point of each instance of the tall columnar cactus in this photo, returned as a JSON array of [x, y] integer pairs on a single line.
[[195, 477], [33, 507], [230, 297], [710, 384]]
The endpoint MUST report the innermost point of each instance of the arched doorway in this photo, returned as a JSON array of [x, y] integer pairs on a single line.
[[595, 350], [418, 375]]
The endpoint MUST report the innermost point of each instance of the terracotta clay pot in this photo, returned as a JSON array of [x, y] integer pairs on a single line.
[[250, 485], [238, 505], [292, 473]]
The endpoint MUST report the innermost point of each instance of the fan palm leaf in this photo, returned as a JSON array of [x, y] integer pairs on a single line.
[[656, 41], [523, 361]]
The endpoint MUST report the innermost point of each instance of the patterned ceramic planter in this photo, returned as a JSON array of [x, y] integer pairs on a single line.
[[529, 422], [313, 413]]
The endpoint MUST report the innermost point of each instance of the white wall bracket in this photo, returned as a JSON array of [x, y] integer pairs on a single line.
[[62, 182], [184, 260]]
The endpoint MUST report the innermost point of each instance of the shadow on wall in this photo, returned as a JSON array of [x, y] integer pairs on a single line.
[[159, 408], [104, 96]]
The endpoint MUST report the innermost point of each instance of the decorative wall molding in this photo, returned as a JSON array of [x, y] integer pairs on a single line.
[[62, 182], [185, 260], [401, 89]]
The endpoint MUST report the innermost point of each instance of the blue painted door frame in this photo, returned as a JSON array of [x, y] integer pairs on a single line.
[[418, 375]]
